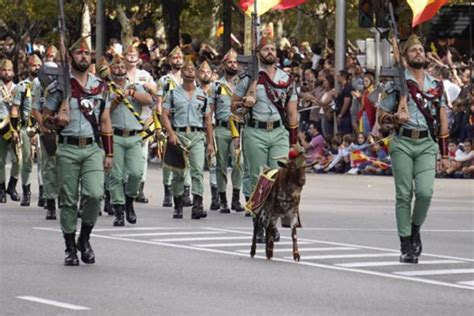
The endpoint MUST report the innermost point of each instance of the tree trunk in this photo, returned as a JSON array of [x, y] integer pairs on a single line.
[[172, 11], [126, 24]]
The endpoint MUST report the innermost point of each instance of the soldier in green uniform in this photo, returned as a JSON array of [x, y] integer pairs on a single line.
[[187, 118], [22, 102], [205, 83], [272, 125], [7, 90], [80, 159], [413, 149], [227, 134], [165, 84], [126, 105]]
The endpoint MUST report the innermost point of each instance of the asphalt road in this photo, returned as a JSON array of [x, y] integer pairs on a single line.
[[160, 266]]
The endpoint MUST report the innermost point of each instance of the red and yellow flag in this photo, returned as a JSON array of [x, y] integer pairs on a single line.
[[424, 10], [266, 5]]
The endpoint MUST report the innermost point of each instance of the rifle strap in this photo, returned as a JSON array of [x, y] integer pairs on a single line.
[[127, 103]]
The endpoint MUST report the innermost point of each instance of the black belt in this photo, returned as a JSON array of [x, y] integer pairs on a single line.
[[77, 141], [125, 132], [414, 133], [264, 125], [189, 129], [222, 123]]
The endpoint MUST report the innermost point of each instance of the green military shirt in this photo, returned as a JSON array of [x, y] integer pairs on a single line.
[[37, 95], [6, 97], [167, 83], [78, 125], [416, 120], [185, 112], [23, 98], [221, 98], [122, 117], [264, 110]]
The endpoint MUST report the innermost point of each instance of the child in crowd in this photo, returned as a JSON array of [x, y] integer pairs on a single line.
[[463, 163], [341, 161]]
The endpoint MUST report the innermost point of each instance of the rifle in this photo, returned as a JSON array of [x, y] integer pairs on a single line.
[[63, 113]]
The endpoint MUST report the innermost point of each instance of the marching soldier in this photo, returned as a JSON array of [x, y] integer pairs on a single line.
[[413, 149], [22, 103], [8, 124], [80, 160], [272, 104], [227, 134], [205, 78], [126, 106], [166, 84], [143, 78], [187, 118], [50, 190]]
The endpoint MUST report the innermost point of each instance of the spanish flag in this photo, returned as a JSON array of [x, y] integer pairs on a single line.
[[424, 10], [266, 5]]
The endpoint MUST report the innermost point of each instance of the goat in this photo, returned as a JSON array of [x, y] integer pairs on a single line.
[[282, 202]]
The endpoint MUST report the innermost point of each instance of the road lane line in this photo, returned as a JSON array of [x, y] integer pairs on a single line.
[[53, 303], [303, 249], [471, 283], [359, 255], [167, 234], [240, 244], [200, 239], [391, 263], [435, 272]]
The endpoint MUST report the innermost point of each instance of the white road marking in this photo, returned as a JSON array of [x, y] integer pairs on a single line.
[[53, 303], [359, 255], [391, 263], [168, 234], [435, 272], [303, 249], [240, 244], [137, 229], [367, 229], [200, 239], [471, 283]]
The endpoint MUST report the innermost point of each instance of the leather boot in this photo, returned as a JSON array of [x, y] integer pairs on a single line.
[[236, 206], [107, 206], [247, 214], [276, 234], [416, 239], [197, 212], [260, 233], [11, 189], [141, 198], [70, 258], [87, 254], [51, 209], [118, 211], [178, 207], [129, 210], [406, 248], [3, 194], [224, 208], [167, 202], [41, 199], [214, 199], [186, 197], [25, 200]]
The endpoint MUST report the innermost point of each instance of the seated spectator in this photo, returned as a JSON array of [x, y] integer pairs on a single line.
[[462, 166], [341, 161], [314, 149], [379, 160]]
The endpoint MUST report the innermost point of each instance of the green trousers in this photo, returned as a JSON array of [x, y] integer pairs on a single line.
[[80, 166], [262, 147], [5, 148], [49, 173], [128, 165], [145, 150], [225, 148], [413, 166], [26, 165], [194, 141]]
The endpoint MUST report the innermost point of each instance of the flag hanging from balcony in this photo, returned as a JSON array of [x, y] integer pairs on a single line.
[[266, 5], [424, 10]]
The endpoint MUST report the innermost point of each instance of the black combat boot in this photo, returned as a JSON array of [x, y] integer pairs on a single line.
[[260, 232], [107, 206], [224, 208], [247, 214], [70, 259], [167, 202], [416, 239], [11, 189], [141, 198], [87, 254], [276, 234], [178, 207], [129, 210], [236, 206], [3, 194], [51, 209], [118, 211], [406, 249], [214, 199], [41, 199], [187, 197], [197, 212], [25, 200]]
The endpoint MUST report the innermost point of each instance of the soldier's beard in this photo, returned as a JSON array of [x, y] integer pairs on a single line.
[[7, 79], [269, 60], [188, 78], [176, 66], [416, 64], [231, 72], [205, 80], [119, 76], [34, 74], [82, 66]]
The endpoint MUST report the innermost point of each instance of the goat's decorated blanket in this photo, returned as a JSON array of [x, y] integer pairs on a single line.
[[262, 190]]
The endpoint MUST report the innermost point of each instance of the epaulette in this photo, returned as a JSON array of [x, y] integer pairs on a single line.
[[243, 75]]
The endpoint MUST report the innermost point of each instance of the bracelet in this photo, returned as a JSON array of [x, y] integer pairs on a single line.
[[107, 143]]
